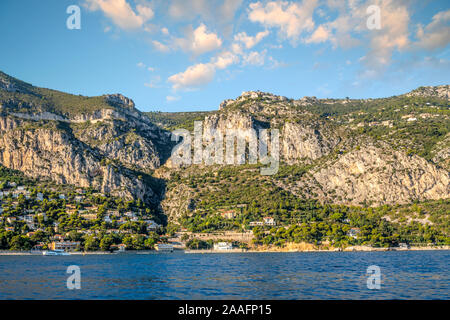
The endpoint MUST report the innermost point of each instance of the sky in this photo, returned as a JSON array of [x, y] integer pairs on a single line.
[[189, 55]]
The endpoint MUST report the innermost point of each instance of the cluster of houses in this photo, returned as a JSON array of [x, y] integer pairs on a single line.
[[29, 217], [231, 214]]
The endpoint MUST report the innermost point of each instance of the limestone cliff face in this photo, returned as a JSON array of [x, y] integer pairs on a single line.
[[53, 153], [303, 141], [376, 175], [299, 141], [116, 140], [442, 92], [178, 201]]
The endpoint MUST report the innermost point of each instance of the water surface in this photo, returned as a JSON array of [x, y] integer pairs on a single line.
[[313, 275]]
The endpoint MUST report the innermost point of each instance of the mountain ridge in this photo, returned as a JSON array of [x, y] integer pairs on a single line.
[[115, 147]]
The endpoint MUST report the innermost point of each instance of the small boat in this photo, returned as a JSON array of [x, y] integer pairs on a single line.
[[55, 252]]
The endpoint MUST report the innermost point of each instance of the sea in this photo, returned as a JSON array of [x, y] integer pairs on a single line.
[[235, 276]]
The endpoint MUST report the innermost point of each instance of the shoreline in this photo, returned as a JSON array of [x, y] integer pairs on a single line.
[[261, 250]]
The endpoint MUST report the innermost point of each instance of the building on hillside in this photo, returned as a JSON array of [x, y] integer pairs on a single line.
[[152, 225], [65, 245], [403, 246], [353, 232], [230, 214], [58, 237], [269, 221], [11, 219], [256, 223], [223, 246]]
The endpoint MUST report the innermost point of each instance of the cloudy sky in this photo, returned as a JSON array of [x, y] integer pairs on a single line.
[[186, 55]]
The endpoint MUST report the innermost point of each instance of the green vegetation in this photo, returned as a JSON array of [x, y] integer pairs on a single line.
[[177, 120], [33, 216], [252, 197], [28, 98]]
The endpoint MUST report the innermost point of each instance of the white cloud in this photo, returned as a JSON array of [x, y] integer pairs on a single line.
[[228, 9], [199, 41], [255, 58], [249, 41], [320, 35], [225, 59], [145, 12], [291, 18], [121, 13], [436, 34], [160, 46], [182, 9], [154, 83], [140, 65], [151, 69], [165, 31], [217, 11], [349, 29], [393, 34], [193, 76]]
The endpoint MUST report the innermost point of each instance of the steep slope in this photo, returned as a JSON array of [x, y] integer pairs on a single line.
[[100, 142], [368, 152]]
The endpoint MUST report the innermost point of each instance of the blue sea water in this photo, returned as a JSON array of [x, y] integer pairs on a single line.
[[313, 275]]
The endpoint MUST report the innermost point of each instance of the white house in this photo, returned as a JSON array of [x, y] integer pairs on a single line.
[[269, 221], [223, 246], [151, 225], [353, 232]]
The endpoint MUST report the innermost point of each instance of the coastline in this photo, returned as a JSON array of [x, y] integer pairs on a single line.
[[253, 250]]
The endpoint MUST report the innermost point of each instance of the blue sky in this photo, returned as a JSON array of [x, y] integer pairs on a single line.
[[189, 55]]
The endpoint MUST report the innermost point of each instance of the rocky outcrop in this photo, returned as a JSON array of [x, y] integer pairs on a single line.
[[442, 92], [53, 153], [178, 201], [301, 141], [376, 175], [117, 141]]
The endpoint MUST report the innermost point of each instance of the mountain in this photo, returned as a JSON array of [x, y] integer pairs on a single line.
[[101, 142], [348, 152]]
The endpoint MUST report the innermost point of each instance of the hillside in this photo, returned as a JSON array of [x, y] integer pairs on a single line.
[[379, 165], [100, 142]]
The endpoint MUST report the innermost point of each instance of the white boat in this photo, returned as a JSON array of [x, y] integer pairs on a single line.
[[56, 252]]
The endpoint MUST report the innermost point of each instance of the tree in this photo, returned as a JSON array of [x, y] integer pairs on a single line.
[[106, 242], [91, 243]]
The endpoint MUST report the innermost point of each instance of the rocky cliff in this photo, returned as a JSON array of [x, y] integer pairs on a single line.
[[333, 150], [109, 148]]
